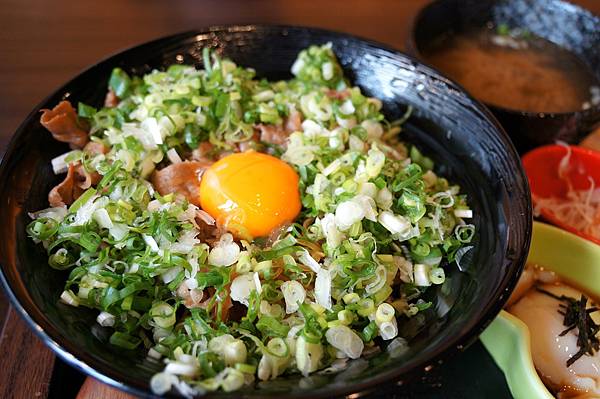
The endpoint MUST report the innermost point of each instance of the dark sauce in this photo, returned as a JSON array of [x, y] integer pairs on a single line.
[[517, 72]]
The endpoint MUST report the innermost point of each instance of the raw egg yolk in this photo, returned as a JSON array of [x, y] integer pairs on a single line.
[[250, 193]]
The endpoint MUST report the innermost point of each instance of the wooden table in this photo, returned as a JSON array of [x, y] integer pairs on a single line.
[[43, 44]]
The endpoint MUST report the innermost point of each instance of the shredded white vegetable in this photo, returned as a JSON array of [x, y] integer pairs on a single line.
[[178, 368], [225, 253], [463, 213], [59, 164], [345, 340], [241, 287], [395, 224], [421, 275], [69, 298], [388, 330], [173, 156], [309, 261], [162, 382], [332, 235], [168, 277], [105, 319], [323, 288], [308, 356], [151, 242], [347, 213], [293, 294], [580, 209]]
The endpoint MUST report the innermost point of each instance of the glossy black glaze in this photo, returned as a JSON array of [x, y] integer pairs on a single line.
[[463, 138], [560, 22]]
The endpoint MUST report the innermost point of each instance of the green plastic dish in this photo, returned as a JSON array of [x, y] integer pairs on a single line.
[[507, 338]]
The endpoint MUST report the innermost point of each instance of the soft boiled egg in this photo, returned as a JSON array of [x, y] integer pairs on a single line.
[[551, 350], [250, 193]]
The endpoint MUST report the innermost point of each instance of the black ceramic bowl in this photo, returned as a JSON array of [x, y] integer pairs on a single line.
[[467, 144], [560, 22]]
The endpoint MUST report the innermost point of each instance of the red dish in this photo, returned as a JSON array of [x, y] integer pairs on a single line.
[[542, 165]]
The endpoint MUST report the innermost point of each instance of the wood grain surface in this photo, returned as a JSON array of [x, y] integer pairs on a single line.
[[25, 362], [45, 43], [94, 389]]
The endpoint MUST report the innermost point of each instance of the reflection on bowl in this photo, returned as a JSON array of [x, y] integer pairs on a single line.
[[507, 339], [556, 21], [459, 134]]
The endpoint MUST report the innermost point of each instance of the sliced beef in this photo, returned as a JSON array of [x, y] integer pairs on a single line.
[[77, 180], [181, 178], [293, 122], [111, 100], [67, 191], [62, 122], [278, 134], [338, 95]]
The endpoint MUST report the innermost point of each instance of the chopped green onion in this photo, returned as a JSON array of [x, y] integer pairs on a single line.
[[85, 197], [124, 341], [85, 111], [375, 228], [119, 82]]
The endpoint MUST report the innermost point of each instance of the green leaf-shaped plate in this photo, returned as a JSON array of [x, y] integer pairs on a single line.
[[507, 338]]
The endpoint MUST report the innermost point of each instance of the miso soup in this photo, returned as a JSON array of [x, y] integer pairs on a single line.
[[523, 73]]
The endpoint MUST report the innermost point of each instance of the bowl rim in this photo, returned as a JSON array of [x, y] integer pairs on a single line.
[[506, 324], [111, 378], [416, 51]]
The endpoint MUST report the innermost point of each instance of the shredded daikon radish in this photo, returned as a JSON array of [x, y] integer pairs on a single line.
[[580, 209]]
